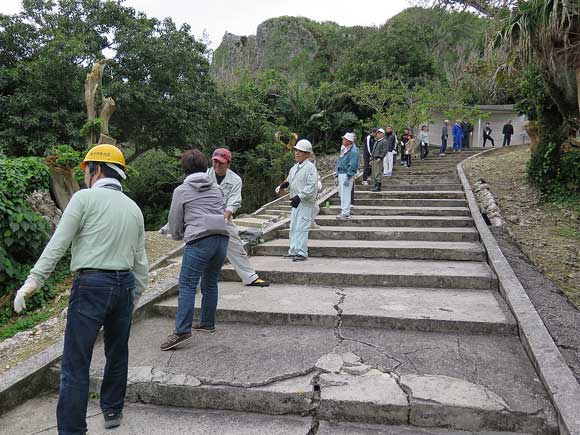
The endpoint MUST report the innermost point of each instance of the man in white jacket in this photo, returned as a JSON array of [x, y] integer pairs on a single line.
[[231, 186]]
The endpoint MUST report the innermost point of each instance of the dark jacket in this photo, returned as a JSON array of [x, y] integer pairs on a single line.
[[508, 130], [391, 139], [380, 149], [445, 131], [368, 146], [487, 131]]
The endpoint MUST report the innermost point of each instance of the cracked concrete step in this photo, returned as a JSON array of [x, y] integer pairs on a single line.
[[433, 194], [405, 202], [419, 250], [333, 428], [400, 187], [366, 272], [466, 234], [38, 416], [397, 221], [369, 210], [414, 309], [425, 379]]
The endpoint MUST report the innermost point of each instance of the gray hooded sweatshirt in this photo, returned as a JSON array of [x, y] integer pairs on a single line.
[[197, 209]]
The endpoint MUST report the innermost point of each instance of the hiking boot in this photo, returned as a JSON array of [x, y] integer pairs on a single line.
[[259, 282], [378, 188], [300, 258], [175, 339], [112, 419], [204, 328]]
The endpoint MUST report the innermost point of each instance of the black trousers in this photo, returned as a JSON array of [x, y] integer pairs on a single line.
[[506, 140], [367, 170], [486, 138]]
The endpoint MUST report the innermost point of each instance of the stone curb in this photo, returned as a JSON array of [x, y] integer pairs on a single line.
[[556, 376], [161, 261]]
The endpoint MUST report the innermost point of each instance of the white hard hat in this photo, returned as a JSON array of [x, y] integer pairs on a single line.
[[349, 136], [304, 145]]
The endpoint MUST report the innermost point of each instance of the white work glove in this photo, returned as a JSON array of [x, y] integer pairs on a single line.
[[164, 230], [30, 287], [277, 190]]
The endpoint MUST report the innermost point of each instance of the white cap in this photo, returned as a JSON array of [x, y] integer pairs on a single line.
[[303, 145], [381, 130], [349, 136]]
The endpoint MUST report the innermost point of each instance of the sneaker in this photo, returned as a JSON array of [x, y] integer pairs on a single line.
[[340, 216], [175, 339], [112, 419], [289, 256], [365, 183], [203, 328], [259, 282], [299, 258]]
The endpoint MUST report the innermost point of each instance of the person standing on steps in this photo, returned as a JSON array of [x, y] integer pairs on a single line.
[[346, 169], [424, 141], [196, 216], [379, 153], [508, 131], [487, 134], [404, 139], [457, 133], [107, 234], [302, 184], [391, 140], [444, 136], [231, 186], [467, 129], [368, 145], [409, 150]]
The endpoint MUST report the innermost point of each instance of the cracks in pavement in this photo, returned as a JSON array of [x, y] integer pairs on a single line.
[[315, 405], [473, 375], [341, 338], [410, 361], [269, 381]]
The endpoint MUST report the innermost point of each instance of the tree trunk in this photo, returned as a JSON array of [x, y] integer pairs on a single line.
[[106, 113], [578, 85], [92, 83]]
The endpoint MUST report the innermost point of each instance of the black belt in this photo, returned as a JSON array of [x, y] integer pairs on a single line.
[[103, 270]]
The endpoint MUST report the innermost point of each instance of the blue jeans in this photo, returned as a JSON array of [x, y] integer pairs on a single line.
[[345, 193], [300, 223], [97, 299], [202, 259]]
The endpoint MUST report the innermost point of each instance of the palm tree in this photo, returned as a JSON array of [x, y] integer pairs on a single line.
[[546, 33]]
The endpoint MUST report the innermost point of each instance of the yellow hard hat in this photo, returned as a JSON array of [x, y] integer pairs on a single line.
[[105, 153]]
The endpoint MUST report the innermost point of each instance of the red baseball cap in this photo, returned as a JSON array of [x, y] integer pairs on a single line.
[[222, 155]]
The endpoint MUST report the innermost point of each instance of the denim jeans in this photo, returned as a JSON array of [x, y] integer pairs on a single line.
[[202, 260], [97, 299], [443, 145]]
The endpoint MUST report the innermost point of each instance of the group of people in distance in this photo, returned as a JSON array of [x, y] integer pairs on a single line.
[[461, 133]]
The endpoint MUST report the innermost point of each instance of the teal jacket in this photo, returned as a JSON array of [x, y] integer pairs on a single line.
[[348, 164]]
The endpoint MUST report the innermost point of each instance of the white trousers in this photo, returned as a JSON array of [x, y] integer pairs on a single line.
[[388, 162], [345, 193], [237, 255]]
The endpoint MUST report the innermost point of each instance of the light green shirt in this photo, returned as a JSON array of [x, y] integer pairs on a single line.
[[106, 230], [303, 179]]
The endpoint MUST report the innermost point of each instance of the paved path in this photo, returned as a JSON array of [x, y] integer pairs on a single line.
[[393, 325]]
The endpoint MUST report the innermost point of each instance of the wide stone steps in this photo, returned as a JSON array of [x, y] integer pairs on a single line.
[[397, 221], [415, 309], [369, 272], [428, 194], [392, 187], [406, 202], [374, 249], [445, 380], [391, 233], [398, 211]]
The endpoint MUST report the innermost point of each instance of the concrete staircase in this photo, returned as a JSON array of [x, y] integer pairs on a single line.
[[394, 325]]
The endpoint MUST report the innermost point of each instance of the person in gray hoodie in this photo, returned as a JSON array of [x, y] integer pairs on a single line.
[[196, 216]]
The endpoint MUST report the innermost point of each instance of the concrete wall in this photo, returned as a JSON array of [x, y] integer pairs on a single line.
[[499, 115]]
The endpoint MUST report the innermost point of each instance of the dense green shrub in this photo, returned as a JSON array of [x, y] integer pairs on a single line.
[[23, 232]]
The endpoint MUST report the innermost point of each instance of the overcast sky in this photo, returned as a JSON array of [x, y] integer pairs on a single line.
[[242, 17]]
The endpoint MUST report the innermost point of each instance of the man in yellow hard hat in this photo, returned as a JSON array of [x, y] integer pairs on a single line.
[[106, 231]]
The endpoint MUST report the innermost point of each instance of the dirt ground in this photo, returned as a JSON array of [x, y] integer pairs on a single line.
[[158, 245], [548, 234]]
